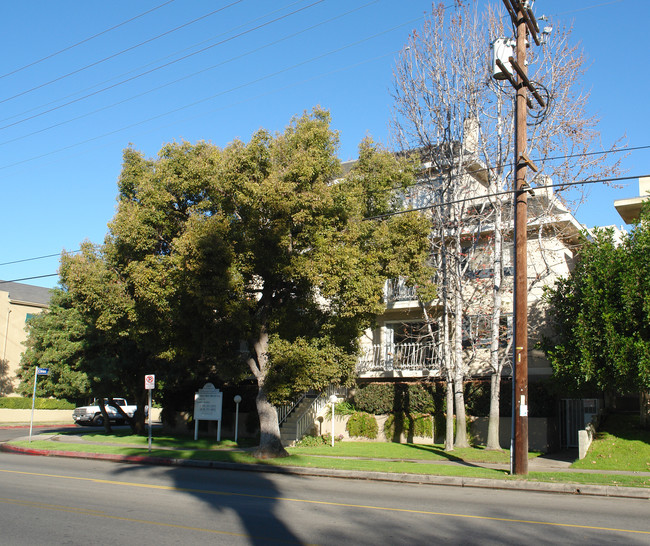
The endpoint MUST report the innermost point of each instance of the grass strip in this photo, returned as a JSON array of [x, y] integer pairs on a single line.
[[620, 444], [304, 461], [422, 452], [168, 441]]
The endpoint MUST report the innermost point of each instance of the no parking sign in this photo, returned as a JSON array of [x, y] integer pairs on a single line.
[[150, 382]]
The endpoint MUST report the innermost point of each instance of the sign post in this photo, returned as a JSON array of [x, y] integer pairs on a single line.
[[39, 371], [150, 385], [237, 401], [208, 402]]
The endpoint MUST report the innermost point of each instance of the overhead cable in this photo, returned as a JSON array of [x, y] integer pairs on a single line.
[[68, 48], [59, 78]]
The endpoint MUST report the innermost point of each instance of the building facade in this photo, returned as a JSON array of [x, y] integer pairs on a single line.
[[18, 302], [411, 339]]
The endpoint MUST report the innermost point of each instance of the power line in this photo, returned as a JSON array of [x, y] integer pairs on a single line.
[[84, 40], [501, 193], [382, 216], [115, 55], [30, 278], [231, 59], [37, 258], [159, 59], [205, 99], [165, 65]]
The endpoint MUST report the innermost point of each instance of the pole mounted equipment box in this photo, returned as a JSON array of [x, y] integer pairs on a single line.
[[502, 50]]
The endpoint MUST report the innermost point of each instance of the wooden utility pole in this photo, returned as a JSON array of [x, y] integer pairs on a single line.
[[524, 20], [520, 406]]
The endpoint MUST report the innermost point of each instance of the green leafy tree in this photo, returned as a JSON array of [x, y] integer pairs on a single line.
[[252, 259], [601, 316], [57, 339]]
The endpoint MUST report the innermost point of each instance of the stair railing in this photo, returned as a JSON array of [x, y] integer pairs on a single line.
[[306, 420], [285, 410]]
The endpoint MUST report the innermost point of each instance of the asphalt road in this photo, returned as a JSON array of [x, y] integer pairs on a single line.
[[70, 501], [11, 433]]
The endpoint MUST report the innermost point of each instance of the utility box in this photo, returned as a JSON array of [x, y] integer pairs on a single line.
[[502, 50]]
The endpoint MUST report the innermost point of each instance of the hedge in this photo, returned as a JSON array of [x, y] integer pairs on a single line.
[[411, 425], [383, 398], [17, 402]]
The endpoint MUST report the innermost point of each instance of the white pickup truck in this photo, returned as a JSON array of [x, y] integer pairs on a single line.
[[92, 415]]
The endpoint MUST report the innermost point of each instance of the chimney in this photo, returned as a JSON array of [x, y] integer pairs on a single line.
[[470, 135]]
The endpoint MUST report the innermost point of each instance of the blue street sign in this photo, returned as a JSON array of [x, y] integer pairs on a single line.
[[42, 371]]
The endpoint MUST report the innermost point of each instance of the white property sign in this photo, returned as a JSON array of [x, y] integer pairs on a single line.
[[208, 402]]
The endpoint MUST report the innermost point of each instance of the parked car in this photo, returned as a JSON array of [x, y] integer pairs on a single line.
[[92, 415]]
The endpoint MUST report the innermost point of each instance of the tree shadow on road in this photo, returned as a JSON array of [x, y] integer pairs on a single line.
[[253, 497]]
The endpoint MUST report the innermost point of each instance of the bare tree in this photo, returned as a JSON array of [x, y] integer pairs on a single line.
[[448, 105]]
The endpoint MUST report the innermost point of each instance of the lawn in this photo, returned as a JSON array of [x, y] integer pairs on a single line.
[[620, 444], [422, 452], [176, 441]]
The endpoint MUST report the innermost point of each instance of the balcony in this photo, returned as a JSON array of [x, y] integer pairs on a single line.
[[396, 291], [399, 360]]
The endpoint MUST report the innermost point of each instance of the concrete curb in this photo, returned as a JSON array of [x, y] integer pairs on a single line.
[[457, 481]]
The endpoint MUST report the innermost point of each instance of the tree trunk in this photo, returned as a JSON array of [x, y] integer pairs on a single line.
[[644, 420], [493, 423], [495, 358], [461, 419], [138, 422], [449, 429], [270, 443], [459, 372], [107, 422]]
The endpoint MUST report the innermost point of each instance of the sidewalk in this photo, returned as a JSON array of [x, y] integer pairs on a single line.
[[539, 464]]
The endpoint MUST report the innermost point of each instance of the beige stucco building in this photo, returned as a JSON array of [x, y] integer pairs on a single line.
[[401, 346], [629, 209], [18, 302]]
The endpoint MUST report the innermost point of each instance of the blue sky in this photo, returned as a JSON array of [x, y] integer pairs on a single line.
[[65, 120]]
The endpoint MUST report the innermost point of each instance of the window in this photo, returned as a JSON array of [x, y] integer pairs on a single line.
[[477, 330]]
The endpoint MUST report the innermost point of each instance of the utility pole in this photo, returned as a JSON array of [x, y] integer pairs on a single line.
[[520, 456], [525, 24]]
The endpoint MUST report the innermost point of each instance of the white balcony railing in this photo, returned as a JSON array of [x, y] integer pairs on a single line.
[[399, 356], [396, 290]]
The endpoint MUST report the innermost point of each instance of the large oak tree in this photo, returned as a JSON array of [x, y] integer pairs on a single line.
[[254, 259]]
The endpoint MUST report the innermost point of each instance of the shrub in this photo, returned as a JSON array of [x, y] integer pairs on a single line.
[[316, 441], [18, 402], [477, 398], [311, 441], [411, 425], [362, 424], [382, 398], [375, 398], [340, 408]]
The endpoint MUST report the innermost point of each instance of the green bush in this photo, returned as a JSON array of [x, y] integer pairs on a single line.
[[375, 398], [311, 441], [362, 424], [477, 398], [340, 408], [382, 398], [411, 425], [18, 402]]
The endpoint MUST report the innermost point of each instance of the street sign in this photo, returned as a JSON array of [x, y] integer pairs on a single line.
[[150, 381], [38, 371]]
